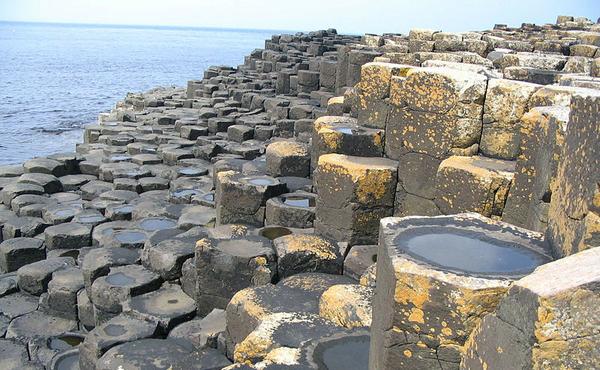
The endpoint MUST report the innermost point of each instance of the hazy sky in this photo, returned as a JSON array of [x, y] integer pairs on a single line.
[[355, 16]]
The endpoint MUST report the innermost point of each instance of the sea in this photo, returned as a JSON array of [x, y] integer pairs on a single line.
[[55, 78]]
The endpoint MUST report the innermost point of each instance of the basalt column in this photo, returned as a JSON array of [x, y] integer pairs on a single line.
[[437, 277], [548, 320], [354, 193], [434, 113], [575, 208]]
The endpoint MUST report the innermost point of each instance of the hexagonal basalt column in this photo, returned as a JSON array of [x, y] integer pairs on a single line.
[[343, 135], [548, 320], [291, 210], [354, 193], [225, 266], [435, 111], [574, 215], [473, 184], [241, 199], [505, 104], [288, 158], [436, 279], [373, 89]]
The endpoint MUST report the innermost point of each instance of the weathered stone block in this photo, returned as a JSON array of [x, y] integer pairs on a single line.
[[343, 135], [299, 253], [288, 158], [225, 266], [505, 103], [542, 138], [18, 252], [353, 194], [473, 184], [347, 305], [373, 89], [242, 199], [426, 304], [547, 320], [574, 216]]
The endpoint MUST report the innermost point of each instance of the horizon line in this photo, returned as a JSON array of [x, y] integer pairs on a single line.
[[123, 25]]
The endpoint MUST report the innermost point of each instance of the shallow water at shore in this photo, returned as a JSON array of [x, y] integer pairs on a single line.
[[56, 78]]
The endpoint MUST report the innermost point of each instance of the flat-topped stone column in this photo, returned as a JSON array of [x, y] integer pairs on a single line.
[[436, 279], [242, 199], [354, 193], [548, 320], [574, 215], [344, 135], [226, 266]]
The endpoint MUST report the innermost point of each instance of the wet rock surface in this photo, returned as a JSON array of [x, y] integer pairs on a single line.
[[238, 220]]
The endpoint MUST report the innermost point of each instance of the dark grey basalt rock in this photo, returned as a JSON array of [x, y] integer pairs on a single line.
[[18, 304], [298, 253], [119, 330], [201, 332], [242, 199], [169, 306], [145, 354], [62, 292], [18, 252], [98, 262], [36, 324], [34, 277], [44, 349], [108, 293], [359, 258], [67, 236], [224, 267], [291, 210]]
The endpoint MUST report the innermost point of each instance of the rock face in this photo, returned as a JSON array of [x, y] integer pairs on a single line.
[[547, 320], [426, 305], [245, 218], [574, 216], [354, 193]]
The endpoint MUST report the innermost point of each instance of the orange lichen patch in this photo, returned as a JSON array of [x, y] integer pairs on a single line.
[[347, 305], [331, 138], [372, 176], [287, 148], [591, 236], [473, 305], [202, 244], [309, 243], [250, 301]]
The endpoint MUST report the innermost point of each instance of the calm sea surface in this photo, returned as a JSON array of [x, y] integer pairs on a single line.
[[56, 78]]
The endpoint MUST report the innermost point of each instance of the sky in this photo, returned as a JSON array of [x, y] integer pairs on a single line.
[[350, 16]]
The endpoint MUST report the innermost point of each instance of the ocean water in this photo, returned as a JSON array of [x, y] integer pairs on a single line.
[[56, 78]]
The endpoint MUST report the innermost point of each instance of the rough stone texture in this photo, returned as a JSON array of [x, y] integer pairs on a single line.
[[238, 200], [354, 193], [423, 314], [505, 104], [473, 184], [542, 139], [249, 306], [548, 320], [373, 89], [299, 253], [223, 267], [344, 135], [574, 216], [288, 158], [434, 110], [347, 305]]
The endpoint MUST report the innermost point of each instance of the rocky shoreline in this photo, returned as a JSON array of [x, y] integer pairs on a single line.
[[289, 213]]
